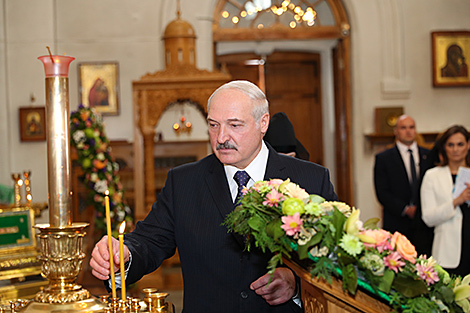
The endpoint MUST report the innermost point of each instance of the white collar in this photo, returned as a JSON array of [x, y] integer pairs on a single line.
[[404, 148], [256, 169]]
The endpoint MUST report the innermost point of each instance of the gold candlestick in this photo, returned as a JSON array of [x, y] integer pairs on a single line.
[[27, 185], [17, 187], [110, 244]]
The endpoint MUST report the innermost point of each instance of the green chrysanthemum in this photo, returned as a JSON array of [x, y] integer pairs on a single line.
[[313, 209], [351, 244]]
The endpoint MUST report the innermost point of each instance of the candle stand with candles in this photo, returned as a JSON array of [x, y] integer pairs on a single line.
[[61, 241]]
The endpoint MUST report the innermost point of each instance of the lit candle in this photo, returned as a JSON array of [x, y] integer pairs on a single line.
[[122, 228], [110, 243]]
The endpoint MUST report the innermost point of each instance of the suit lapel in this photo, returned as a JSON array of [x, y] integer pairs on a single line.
[[422, 159], [218, 187], [274, 168]]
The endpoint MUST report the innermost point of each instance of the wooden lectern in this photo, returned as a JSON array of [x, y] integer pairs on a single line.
[[318, 296]]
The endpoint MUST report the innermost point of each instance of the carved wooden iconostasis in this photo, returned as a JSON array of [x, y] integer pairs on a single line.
[[180, 81]]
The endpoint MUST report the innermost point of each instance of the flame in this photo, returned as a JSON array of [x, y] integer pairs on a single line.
[[122, 228], [106, 192]]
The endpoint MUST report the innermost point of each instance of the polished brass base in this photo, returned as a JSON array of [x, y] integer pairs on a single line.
[[51, 296], [62, 256], [84, 306]]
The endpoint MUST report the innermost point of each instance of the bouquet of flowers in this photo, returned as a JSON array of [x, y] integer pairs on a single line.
[[281, 217], [99, 167]]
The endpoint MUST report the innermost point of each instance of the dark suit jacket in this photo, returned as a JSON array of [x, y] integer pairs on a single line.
[[393, 190], [188, 214]]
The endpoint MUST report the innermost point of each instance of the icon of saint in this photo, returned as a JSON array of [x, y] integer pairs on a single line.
[[98, 96], [455, 66]]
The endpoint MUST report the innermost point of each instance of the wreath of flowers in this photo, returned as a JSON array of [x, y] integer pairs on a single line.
[[99, 168], [283, 218]]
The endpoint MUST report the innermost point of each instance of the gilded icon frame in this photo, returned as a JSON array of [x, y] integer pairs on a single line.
[[449, 48], [32, 123], [99, 84]]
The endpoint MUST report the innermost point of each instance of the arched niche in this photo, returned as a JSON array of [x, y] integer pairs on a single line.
[[183, 120]]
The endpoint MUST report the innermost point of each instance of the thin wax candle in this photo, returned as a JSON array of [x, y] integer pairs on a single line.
[[110, 244], [122, 228]]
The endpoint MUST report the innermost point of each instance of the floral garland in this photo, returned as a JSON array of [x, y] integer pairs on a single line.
[[283, 218], [99, 167]]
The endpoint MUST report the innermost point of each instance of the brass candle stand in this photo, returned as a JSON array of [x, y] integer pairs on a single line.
[[61, 241], [27, 185], [18, 182], [154, 302]]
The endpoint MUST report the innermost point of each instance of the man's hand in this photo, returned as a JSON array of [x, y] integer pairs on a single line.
[[100, 258], [410, 211], [281, 289]]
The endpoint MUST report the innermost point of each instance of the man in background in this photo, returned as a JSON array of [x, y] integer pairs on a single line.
[[397, 178]]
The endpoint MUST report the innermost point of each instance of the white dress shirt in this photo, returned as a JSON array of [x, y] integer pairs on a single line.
[[405, 155], [256, 169]]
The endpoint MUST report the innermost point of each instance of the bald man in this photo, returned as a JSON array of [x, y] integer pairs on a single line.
[[397, 177]]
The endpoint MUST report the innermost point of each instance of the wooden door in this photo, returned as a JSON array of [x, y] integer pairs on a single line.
[[293, 86]]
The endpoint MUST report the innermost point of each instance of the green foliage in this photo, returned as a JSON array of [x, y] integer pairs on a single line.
[[100, 171], [331, 236]]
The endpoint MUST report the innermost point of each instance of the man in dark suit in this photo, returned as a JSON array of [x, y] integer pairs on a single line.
[[219, 275], [397, 177]]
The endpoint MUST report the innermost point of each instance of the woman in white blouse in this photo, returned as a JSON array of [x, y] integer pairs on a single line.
[[448, 214]]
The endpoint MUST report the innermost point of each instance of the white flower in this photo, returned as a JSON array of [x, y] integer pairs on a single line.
[[294, 191], [79, 137], [374, 263], [121, 215], [341, 206], [305, 235], [101, 186], [440, 304], [315, 252], [100, 156]]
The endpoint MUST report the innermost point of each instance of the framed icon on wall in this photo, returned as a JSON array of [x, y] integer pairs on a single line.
[[99, 86], [450, 57], [33, 124]]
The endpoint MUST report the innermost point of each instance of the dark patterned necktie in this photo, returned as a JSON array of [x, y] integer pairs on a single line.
[[242, 178], [414, 179]]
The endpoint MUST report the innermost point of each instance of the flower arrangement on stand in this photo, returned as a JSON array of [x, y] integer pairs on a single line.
[[282, 218], [99, 168]]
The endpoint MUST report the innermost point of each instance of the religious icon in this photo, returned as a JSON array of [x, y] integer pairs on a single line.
[[450, 51], [455, 66], [32, 124], [98, 86], [98, 95]]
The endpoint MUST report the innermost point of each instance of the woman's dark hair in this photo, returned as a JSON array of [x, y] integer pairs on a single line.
[[456, 129]]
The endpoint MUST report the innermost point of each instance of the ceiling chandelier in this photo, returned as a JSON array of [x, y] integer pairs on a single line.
[[293, 12]]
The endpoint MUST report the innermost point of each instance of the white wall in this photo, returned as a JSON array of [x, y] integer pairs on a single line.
[[391, 66], [391, 53]]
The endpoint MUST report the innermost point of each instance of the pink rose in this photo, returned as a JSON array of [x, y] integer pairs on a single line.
[[404, 247], [275, 182], [377, 238]]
